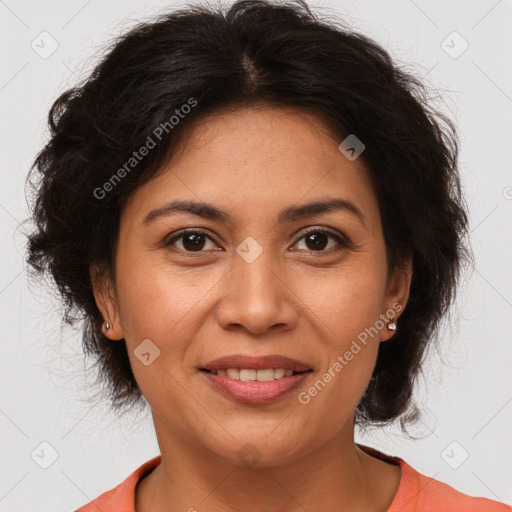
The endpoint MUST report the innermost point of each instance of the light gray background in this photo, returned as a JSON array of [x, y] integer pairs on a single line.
[[43, 390]]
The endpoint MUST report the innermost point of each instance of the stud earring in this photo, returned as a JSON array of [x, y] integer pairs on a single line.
[[392, 326], [107, 326]]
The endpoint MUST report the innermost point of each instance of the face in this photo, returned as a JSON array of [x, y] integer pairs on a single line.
[[254, 282]]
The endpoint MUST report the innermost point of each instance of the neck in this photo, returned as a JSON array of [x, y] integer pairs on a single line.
[[335, 476]]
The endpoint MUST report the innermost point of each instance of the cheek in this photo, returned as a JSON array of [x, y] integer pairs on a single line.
[[346, 302], [346, 309], [156, 300], [168, 308], [350, 353]]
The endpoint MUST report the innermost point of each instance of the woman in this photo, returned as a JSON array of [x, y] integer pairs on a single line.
[[259, 217]]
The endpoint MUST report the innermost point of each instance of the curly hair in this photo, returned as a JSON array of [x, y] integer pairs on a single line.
[[215, 59]]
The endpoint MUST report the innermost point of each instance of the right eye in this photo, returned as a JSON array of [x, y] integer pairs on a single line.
[[191, 240]]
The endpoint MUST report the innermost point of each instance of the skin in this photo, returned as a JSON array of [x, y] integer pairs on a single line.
[[293, 300]]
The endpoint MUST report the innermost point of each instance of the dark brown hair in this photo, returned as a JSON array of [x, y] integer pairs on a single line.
[[252, 53]]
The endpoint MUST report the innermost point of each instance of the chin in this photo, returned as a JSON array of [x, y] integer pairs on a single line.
[[258, 451]]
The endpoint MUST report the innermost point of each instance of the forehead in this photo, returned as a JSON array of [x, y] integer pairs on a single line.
[[258, 158], [270, 136]]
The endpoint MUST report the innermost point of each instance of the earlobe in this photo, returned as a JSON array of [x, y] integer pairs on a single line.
[[396, 298], [105, 298], [105, 327]]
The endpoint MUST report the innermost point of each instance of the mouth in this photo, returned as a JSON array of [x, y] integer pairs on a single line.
[[247, 363], [252, 375], [255, 380]]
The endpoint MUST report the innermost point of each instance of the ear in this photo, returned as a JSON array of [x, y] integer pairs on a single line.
[[105, 297], [397, 294]]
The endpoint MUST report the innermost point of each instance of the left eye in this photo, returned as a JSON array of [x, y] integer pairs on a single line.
[[316, 240]]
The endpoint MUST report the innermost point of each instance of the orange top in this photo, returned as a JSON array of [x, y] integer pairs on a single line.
[[416, 493]]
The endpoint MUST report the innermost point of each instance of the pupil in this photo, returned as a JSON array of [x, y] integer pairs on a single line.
[[315, 238], [196, 242]]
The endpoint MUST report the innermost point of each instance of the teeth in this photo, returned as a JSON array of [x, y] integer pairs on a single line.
[[246, 374], [278, 373], [265, 375], [233, 373]]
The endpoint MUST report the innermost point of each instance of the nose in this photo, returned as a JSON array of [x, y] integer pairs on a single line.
[[257, 297]]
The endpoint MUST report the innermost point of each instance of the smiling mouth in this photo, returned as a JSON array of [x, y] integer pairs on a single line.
[[252, 386], [251, 375]]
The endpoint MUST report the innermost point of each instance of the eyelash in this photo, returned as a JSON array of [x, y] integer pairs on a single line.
[[343, 241]]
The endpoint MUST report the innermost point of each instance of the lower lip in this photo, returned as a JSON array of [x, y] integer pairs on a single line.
[[255, 392]]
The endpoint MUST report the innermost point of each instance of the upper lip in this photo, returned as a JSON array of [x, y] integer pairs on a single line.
[[256, 363]]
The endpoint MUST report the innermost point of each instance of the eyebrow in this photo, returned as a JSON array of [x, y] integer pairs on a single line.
[[292, 213]]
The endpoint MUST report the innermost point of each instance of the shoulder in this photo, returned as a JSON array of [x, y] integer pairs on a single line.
[[421, 493], [122, 497]]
